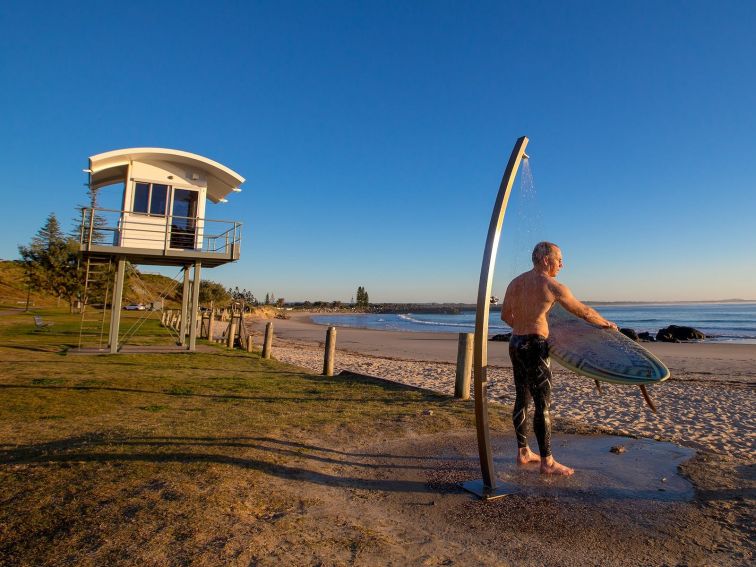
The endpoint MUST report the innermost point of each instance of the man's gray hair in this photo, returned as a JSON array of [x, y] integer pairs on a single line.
[[542, 250]]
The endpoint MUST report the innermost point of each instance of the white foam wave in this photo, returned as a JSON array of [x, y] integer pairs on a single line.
[[468, 325]]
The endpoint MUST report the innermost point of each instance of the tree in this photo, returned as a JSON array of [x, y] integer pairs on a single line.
[[83, 219], [50, 261], [363, 299], [213, 291], [267, 299]]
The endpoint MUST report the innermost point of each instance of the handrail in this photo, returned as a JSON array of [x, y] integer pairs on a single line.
[[147, 231]]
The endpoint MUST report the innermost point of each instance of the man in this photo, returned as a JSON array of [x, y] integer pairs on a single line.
[[527, 301]]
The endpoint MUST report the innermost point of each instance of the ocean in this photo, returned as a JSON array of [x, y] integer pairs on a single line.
[[721, 322]]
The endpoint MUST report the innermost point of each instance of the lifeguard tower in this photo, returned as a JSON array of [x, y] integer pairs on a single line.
[[161, 222]]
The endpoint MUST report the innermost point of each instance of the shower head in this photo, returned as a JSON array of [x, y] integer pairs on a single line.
[[525, 156]]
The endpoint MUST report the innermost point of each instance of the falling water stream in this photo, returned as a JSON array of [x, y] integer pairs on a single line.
[[523, 228]]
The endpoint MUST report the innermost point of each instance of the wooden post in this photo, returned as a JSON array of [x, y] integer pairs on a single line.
[[210, 326], [464, 366], [210, 317], [330, 351], [231, 339], [250, 343], [268, 341]]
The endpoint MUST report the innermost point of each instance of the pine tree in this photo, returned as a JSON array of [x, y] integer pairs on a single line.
[[81, 223], [363, 299], [50, 261]]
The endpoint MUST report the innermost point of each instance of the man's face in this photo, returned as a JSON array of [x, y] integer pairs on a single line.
[[554, 262]]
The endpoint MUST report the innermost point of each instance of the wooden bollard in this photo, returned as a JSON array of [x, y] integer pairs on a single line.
[[330, 351], [231, 334], [464, 365], [210, 327], [250, 343], [268, 341]]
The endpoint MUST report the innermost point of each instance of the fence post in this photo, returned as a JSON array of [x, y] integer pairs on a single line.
[[231, 334], [250, 343], [464, 365], [268, 339], [210, 326], [330, 351]]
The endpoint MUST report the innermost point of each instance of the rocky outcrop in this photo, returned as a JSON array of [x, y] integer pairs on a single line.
[[677, 333], [629, 333], [646, 336], [503, 337]]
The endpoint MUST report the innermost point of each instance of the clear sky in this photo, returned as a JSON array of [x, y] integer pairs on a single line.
[[373, 135]]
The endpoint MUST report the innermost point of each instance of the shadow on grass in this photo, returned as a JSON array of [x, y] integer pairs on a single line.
[[87, 449], [284, 447], [189, 394]]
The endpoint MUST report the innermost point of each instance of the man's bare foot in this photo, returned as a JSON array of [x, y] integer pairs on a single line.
[[550, 466], [525, 456]]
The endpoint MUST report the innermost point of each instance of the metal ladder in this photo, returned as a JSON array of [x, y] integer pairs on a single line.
[[98, 273]]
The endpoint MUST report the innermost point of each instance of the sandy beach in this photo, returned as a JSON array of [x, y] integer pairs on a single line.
[[708, 403]]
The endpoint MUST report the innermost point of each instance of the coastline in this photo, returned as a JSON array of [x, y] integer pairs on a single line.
[[708, 402]]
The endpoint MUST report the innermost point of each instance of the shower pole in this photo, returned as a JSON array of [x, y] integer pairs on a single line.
[[486, 488]]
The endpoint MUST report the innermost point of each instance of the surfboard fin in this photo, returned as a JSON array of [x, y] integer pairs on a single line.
[[647, 398], [598, 387]]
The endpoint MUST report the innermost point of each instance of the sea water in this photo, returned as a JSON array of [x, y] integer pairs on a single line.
[[721, 322]]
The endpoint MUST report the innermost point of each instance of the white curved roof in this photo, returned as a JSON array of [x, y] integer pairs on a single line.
[[110, 167]]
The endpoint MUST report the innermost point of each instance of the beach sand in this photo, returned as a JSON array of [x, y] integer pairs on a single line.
[[708, 403]]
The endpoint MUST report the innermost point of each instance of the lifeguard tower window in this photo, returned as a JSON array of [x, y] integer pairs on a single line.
[[183, 221], [150, 198]]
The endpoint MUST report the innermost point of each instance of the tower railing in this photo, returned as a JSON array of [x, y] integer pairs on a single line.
[[104, 228]]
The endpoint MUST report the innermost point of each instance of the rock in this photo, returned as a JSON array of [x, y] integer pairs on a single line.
[[618, 449], [646, 336], [629, 333], [677, 333], [503, 337]]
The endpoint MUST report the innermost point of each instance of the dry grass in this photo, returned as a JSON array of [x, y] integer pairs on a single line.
[[171, 459]]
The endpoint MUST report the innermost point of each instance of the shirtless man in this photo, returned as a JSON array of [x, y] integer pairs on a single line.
[[526, 303]]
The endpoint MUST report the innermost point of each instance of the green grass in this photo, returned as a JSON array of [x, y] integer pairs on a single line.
[[101, 454]]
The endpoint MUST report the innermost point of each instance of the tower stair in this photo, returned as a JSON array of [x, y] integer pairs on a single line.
[[96, 293]]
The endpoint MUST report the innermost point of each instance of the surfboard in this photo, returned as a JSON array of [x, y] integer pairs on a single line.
[[601, 354]]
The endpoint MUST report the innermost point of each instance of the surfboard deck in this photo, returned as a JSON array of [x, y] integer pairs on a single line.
[[600, 354]]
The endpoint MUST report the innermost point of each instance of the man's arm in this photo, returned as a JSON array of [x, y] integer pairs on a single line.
[[564, 296], [507, 313]]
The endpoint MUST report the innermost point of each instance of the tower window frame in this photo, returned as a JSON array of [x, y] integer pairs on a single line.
[[150, 199]]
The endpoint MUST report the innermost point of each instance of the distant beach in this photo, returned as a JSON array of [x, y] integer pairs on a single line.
[[708, 402]]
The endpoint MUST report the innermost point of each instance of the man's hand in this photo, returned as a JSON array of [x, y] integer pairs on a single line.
[[611, 325]]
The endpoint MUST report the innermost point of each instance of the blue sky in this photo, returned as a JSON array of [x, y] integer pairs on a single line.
[[373, 135]]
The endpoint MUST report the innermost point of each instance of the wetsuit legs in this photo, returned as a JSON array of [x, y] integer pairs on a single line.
[[532, 376]]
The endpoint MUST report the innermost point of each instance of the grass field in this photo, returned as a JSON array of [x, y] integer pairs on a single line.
[[169, 459]]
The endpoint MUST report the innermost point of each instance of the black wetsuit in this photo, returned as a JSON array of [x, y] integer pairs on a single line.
[[532, 377]]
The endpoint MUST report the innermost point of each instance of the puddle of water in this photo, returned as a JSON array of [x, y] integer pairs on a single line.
[[647, 470]]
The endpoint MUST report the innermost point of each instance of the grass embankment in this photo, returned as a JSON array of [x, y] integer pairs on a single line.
[[143, 289], [171, 458]]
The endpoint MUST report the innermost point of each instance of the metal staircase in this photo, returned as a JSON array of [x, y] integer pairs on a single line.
[[98, 274]]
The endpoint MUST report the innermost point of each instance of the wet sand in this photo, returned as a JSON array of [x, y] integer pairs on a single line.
[[708, 403]]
